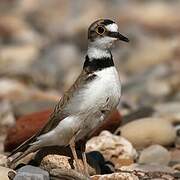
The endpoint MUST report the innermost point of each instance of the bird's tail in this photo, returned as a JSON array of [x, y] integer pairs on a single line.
[[24, 149]]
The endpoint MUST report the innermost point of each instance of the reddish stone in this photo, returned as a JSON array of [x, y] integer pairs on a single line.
[[24, 128], [111, 123], [28, 125]]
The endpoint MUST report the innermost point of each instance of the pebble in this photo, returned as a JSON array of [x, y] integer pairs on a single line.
[[175, 155], [26, 107], [3, 160], [111, 123], [6, 115], [18, 30], [155, 154], [114, 148], [50, 162], [4, 173], [115, 176], [66, 59], [16, 59], [148, 168], [170, 110], [54, 161], [147, 131], [31, 172], [144, 58]]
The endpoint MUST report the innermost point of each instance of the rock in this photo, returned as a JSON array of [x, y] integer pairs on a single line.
[[155, 154], [15, 29], [23, 128], [65, 58], [142, 57], [147, 131], [111, 123], [31, 172], [50, 162], [154, 18], [175, 156], [120, 176], [150, 171], [16, 59], [25, 108], [148, 168], [4, 173], [16, 91], [11, 88], [169, 110], [3, 160], [164, 88], [114, 148], [7, 120], [58, 174], [51, 158], [6, 115]]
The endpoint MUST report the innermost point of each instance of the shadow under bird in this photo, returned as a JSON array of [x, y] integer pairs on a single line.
[[93, 96]]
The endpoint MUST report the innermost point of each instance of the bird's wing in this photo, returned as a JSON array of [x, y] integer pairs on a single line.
[[58, 113]]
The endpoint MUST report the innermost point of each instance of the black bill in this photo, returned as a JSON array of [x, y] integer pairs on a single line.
[[118, 36]]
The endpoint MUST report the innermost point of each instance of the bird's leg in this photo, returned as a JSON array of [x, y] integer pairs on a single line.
[[85, 164], [73, 150], [83, 148]]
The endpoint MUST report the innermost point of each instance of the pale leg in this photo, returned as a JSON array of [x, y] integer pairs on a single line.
[[83, 148], [85, 164], [72, 146]]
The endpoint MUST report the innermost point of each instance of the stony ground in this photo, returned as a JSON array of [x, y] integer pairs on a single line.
[[42, 48]]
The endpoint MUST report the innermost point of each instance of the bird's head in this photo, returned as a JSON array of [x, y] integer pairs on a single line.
[[103, 33]]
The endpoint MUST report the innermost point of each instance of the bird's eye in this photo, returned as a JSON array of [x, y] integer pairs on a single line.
[[100, 30]]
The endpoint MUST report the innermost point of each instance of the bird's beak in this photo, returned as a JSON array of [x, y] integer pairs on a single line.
[[118, 35]]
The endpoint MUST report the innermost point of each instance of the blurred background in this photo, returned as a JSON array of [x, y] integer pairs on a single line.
[[43, 44]]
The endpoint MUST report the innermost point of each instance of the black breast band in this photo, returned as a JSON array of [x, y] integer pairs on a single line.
[[98, 64]]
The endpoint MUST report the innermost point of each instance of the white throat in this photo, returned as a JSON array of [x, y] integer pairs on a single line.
[[97, 53]]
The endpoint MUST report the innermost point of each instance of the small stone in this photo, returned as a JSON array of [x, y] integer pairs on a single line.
[[50, 162], [147, 131], [120, 176], [148, 168], [55, 161], [3, 160], [155, 154], [169, 110], [6, 115], [114, 148], [111, 123], [4, 173], [175, 155], [176, 167], [142, 57], [31, 172], [17, 59], [149, 171], [163, 87]]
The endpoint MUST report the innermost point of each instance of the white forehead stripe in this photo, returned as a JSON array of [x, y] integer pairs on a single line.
[[112, 27]]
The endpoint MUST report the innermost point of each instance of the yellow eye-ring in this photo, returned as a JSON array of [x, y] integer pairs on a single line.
[[100, 30]]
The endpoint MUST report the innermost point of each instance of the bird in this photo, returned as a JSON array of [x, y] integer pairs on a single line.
[[86, 104]]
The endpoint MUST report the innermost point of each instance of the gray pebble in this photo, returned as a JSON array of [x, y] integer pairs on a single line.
[[31, 173]]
